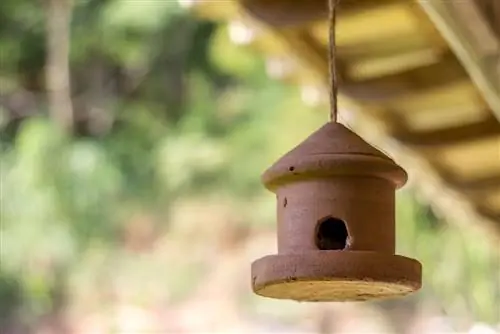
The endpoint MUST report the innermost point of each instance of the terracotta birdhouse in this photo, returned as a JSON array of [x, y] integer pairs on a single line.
[[336, 223]]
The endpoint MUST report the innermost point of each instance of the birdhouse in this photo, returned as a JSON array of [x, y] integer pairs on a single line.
[[336, 223]]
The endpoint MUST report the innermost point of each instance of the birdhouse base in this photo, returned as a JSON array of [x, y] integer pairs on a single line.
[[335, 276]]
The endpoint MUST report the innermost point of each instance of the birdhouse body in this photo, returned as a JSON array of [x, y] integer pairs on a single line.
[[336, 223], [364, 204]]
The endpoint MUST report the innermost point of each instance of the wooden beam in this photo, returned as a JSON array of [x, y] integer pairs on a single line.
[[396, 44], [475, 185], [491, 11], [461, 23], [483, 129], [292, 13], [408, 82], [490, 214]]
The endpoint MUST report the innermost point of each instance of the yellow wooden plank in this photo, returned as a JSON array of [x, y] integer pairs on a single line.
[[365, 26], [450, 105], [473, 159], [493, 201]]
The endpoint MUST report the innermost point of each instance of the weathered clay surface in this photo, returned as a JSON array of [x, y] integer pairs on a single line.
[[333, 150], [335, 174], [365, 204]]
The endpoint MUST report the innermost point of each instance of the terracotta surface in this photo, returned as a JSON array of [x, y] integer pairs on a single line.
[[334, 175], [333, 150]]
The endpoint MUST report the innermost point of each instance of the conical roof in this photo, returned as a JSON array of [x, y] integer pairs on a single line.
[[331, 151]]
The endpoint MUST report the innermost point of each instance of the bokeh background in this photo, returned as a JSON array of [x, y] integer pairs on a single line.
[[133, 135]]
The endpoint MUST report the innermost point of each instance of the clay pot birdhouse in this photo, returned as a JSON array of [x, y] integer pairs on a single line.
[[336, 223]]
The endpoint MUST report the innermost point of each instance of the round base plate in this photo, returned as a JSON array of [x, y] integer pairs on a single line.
[[335, 276]]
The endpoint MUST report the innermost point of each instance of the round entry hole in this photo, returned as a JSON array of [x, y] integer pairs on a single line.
[[331, 234]]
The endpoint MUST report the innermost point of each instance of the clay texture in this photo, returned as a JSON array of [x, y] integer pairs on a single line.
[[334, 176]]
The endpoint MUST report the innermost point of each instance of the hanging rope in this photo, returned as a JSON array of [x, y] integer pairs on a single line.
[[332, 9]]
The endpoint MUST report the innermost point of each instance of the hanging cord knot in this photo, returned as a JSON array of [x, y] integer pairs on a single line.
[[332, 55]]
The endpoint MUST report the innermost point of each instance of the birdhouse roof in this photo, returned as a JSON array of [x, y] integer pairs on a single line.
[[333, 139], [333, 150]]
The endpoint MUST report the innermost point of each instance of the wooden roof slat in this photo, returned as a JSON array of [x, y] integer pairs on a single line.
[[395, 45], [469, 160], [491, 214], [486, 128], [491, 181], [383, 88], [478, 31], [379, 25], [493, 200], [293, 13], [491, 10], [409, 82], [370, 68]]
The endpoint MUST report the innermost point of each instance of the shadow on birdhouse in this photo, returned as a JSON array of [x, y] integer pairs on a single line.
[[336, 223]]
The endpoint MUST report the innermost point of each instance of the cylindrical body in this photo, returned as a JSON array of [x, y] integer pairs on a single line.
[[364, 204]]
